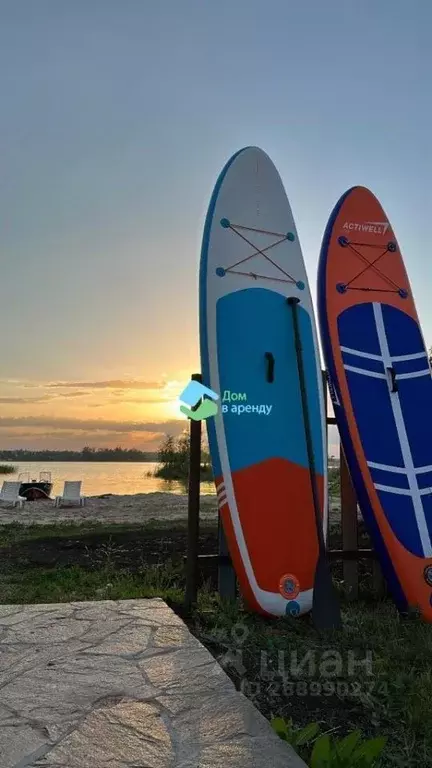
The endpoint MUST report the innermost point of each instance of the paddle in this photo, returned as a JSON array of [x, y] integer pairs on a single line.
[[325, 605]]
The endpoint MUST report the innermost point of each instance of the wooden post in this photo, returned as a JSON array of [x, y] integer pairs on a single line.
[[349, 527], [227, 581], [191, 591], [378, 582]]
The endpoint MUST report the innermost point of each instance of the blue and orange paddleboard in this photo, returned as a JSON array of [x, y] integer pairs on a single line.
[[381, 388], [251, 262]]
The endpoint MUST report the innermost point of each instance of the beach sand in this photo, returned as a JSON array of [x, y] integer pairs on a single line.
[[136, 509]]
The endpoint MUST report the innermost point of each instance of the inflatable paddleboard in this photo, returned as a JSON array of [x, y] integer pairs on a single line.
[[251, 263], [381, 388]]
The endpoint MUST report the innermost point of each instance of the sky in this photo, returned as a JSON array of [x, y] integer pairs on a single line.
[[116, 119]]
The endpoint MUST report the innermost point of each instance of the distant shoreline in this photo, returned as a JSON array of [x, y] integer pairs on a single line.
[[17, 457], [79, 459]]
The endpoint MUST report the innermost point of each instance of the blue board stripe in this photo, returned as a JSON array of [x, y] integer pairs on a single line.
[[357, 361], [389, 475], [401, 516], [372, 405], [384, 477], [404, 336], [414, 364], [424, 480], [388, 421], [427, 506], [344, 431], [249, 322]]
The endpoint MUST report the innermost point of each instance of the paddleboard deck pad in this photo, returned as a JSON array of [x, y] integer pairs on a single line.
[[381, 388], [251, 263]]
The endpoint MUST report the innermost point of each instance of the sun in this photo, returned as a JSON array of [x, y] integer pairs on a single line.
[[172, 409], [171, 405]]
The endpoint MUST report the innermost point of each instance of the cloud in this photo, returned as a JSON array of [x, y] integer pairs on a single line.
[[25, 400], [62, 395], [174, 426], [62, 433], [119, 399], [21, 433], [13, 400], [109, 384], [130, 401]]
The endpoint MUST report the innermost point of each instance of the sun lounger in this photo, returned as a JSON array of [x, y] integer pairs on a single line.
[[71, 494], [10, 493]]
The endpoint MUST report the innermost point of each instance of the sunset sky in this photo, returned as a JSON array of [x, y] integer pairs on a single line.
[[116, 118]]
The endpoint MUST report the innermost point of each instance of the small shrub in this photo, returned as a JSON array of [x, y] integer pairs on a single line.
[[7, 469], [322, 751], [173, 458]]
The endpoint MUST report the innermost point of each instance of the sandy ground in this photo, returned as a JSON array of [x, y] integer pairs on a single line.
[[118, 509]]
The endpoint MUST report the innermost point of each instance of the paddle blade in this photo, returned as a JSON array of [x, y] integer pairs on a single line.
[[325, 604]]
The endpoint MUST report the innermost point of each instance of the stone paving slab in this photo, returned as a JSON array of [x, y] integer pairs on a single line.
[[121, 684]]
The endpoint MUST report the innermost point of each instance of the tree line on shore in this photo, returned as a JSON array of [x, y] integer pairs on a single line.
[[86, 454]]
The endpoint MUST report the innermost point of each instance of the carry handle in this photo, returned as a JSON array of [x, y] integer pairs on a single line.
[[393, 383], [270, 367]]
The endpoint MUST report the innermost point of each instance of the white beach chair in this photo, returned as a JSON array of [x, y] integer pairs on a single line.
[[10, 493], [71, 494]]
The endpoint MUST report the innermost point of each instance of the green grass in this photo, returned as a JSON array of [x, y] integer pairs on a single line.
[[100, 580], [16, 532], [334, 481], [72, 583], [7, 469], [393, 701]]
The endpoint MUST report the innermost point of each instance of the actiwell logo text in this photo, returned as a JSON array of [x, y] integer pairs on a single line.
[[372, 227], [192, 394]]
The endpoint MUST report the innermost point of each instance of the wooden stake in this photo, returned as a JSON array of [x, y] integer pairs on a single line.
[[227, 581], [324, 383], [191, 591], [378, 581], [349, 527]]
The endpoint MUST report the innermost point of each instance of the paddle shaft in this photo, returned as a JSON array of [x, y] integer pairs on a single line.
[[325, 605], [308, 433]]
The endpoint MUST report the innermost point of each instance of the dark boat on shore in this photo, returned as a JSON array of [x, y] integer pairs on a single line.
[[35, 489]]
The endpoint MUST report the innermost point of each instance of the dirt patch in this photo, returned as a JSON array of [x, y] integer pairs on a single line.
[[127, 551]]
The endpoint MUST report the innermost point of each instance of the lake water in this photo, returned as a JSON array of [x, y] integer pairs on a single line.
[[98, 477]]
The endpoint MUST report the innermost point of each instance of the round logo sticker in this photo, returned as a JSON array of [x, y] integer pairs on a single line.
[[289, 586]]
